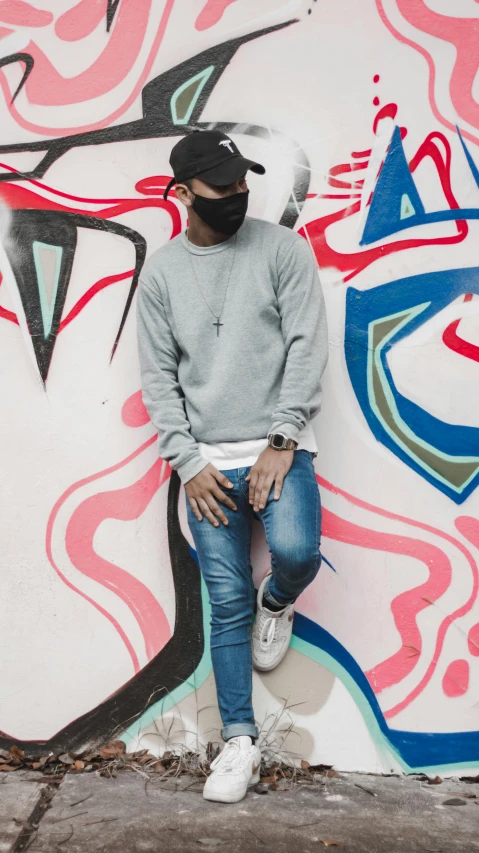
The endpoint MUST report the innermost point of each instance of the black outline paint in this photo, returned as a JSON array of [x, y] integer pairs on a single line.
[[171, 667], [182, 655]]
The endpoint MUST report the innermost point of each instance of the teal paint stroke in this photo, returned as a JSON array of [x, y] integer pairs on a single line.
[[196, 679], [202, 77], [47, 306]]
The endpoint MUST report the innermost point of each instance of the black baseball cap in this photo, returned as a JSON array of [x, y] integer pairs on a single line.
[[211, 156]]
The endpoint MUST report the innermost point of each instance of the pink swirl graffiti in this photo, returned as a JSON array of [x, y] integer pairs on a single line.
[[405, 607], [123, 504]]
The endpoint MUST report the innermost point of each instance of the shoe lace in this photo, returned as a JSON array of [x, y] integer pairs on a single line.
[[227, 757], [267, 630]]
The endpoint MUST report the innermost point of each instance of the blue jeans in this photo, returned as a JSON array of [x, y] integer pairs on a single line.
[[293, 529]]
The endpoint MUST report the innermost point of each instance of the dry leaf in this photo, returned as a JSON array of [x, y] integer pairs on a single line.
[[305, 765], [79, 764], [114, 749], [332, 774], [5, 768], [146, 758], [329, 843], [65, 758], [17, 754], [267, 780], [436, 781], [158, 767]]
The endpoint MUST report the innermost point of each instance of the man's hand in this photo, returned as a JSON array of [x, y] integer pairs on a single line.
[[203, 492], [270, 467]]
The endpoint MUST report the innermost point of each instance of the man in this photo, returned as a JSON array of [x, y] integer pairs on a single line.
[[233, 342]]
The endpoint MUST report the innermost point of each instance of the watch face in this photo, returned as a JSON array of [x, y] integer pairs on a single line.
[[277, 440]]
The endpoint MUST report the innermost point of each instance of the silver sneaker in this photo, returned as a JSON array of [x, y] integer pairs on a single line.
[[271, 633]]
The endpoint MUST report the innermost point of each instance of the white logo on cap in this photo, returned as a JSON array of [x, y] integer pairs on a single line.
[[227, 143]]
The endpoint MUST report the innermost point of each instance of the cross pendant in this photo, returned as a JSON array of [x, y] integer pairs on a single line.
[[217, 324]]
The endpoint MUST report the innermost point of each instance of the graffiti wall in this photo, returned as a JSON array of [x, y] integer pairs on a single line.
[[370, 137]]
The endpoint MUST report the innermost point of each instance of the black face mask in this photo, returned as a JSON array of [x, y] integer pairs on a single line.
[[224, 215]]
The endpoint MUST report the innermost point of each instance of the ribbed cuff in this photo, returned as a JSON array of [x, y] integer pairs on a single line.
[[290, 430], [238, 729], [189, 469]]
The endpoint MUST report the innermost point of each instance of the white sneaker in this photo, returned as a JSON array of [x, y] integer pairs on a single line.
[[234, 770], [271, 633]]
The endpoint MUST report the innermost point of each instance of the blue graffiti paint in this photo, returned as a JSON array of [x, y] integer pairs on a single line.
[[432, 292], [417, 749], [394, 183]]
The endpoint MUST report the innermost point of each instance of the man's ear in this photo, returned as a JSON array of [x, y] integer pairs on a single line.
[[183, 194]]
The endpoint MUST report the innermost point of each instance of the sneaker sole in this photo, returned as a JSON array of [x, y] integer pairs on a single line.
[[231, 798]]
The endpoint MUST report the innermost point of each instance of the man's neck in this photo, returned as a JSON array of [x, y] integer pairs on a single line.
[[201, 234]]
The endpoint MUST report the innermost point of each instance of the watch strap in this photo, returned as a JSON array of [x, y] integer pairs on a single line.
[[287, 443]]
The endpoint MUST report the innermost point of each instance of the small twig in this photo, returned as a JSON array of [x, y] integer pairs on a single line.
[[77, 802], [70, 816], [102, 820], [367, 790], [64, 840]]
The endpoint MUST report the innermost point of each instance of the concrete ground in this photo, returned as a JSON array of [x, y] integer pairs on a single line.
[[86, 813]]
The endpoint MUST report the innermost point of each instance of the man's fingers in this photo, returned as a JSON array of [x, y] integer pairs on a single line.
[[278, 488], [207, 512], [219, 495], [252, 484], [265, 491], [213, 510], [262, 491], [258, 490], [223, 480], [194, 507]]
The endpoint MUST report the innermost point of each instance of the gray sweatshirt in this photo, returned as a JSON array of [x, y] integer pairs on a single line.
[[261, 372]]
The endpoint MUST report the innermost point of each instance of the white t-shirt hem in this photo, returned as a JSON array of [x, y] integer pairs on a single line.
[[226, 455]]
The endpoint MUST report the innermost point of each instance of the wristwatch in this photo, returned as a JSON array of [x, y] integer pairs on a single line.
[[280, 441]]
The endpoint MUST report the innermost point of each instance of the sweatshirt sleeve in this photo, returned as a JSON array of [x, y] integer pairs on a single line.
[[305, 332], [163, 397]]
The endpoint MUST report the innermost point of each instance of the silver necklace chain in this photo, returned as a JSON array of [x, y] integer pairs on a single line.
[[216, 316]]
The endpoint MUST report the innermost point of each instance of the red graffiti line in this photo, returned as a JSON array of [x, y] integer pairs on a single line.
[[16, 196], [388, 111], [49, 549], [88, 296], [457, 344], [450, 618], [343, 169], [405, 607], [355, 262]]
